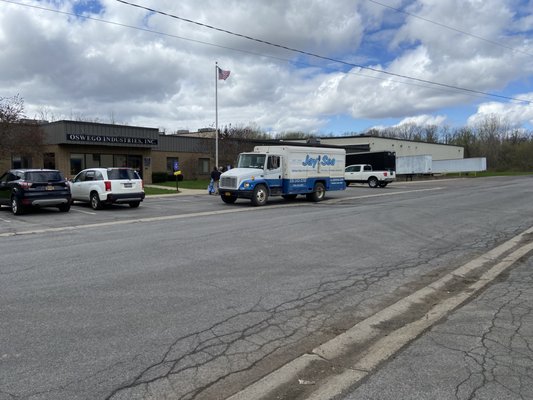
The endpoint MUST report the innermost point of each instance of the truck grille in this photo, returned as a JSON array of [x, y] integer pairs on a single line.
[[229, 182]]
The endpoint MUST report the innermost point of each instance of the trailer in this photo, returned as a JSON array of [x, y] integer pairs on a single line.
[[476, 164], [414, 165], [379, 160]]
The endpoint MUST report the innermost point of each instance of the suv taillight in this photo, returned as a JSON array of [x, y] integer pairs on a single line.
[[107, 186], [25, 185], [142, 184]]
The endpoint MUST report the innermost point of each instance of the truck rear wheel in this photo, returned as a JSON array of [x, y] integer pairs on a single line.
[[319, 192], [260, 195], [373, 182]]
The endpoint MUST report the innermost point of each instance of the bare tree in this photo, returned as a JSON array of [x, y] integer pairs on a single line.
[[237, 139], [430, 134], [291, 135], [17, 135]]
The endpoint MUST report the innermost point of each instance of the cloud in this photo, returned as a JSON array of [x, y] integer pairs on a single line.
[[162, 73], [517, 114], [423, 120]]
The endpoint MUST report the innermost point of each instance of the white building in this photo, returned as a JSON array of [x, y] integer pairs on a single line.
[[400, 146]]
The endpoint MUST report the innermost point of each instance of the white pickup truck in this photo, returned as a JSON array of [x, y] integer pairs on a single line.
[[363, 173]]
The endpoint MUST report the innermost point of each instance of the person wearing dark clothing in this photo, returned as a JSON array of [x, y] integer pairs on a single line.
[[215, 177]]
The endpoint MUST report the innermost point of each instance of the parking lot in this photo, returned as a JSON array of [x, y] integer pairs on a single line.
[[175, 206], [191, 298]]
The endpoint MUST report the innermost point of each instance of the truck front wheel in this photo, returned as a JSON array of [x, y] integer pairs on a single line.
[[319, 193], [228, 199], [260, 195], [373, 182]]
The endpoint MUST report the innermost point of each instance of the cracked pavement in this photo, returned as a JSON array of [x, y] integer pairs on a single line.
[[484, 350], [194, 311]]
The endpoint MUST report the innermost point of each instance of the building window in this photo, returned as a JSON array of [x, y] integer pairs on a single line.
[[170, 164], [120, 160], [20, 162], [77, 163], [135, 162], [92, 160], [49, 160], [80, 162], [106, 160], [203, 166]]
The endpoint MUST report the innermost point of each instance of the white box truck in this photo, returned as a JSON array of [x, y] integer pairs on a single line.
[[285, 171]]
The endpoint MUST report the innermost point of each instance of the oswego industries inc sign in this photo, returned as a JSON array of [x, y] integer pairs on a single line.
[[110, 139]]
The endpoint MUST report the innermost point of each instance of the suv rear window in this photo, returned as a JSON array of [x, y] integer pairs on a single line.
[[115, 174], [44, 176]]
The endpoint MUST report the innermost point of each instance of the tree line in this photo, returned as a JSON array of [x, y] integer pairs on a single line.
[[506, 148]]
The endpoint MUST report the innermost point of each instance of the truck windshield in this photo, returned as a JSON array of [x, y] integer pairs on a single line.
[[251, 161]]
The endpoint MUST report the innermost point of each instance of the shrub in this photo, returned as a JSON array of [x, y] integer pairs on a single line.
[[158, 177]]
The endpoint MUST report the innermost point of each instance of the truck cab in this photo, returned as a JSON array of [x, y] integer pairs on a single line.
[[257, 176]]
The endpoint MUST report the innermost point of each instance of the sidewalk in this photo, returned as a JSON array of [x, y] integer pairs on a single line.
[[172, 190]]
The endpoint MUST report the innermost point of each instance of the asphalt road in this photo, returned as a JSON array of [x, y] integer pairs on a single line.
[[190, 298]]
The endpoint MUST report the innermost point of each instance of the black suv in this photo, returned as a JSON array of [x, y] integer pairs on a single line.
[[24, 188]]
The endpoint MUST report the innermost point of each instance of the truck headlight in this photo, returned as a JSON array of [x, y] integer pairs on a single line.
[[246, 185]]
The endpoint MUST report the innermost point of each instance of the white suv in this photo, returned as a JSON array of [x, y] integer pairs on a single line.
[[100, 186]]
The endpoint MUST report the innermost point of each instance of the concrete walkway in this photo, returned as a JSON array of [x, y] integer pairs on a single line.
[[172, 190]]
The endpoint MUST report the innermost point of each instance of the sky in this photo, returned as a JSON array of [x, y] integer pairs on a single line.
[[315, 66]]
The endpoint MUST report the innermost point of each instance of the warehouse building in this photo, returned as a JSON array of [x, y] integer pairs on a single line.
[[401, 147], [72, 146]]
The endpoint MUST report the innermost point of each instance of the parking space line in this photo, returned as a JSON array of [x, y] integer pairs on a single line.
[[203, 213], [82, 211]]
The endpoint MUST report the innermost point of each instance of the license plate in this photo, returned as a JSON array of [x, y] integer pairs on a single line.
[[127, 185], [228, 194], [49, 187]]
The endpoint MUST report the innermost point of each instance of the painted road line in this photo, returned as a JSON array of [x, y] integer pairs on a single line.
[[201, 214], [384, 348], [382, 194], [82, 211]]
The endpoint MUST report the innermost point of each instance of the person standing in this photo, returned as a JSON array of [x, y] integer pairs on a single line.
[[215, 177]]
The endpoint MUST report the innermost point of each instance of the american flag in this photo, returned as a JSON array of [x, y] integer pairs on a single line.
[[223, 74]]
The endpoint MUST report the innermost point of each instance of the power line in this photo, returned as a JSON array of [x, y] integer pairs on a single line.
[[444, 85], [301, 63], [449, 89], [451, 28]]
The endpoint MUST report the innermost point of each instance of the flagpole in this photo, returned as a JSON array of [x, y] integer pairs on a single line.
[[216, 114]]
